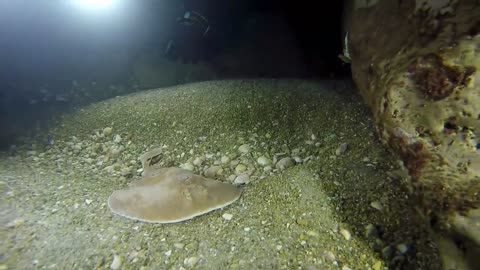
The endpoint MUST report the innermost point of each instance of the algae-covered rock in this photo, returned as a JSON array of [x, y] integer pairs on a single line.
[[417, 64]]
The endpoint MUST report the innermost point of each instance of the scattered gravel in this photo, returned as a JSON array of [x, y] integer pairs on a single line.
[[279, 134]]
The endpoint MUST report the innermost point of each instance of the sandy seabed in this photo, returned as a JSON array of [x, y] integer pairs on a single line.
[[348, 210]]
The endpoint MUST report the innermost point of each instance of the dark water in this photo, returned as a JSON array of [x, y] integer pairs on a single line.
[[59, 55]]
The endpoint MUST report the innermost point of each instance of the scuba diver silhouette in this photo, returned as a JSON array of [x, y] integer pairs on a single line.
[[189, 40]]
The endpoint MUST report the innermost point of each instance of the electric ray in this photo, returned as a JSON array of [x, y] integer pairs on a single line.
[[168, 195]]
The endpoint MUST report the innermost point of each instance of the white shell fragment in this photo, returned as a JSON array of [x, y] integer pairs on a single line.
[[377, 205], [346, 234], [116, 263], [227, 216], [172, 195]]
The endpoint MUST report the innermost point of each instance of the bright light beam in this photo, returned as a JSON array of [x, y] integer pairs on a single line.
[[94, 4]]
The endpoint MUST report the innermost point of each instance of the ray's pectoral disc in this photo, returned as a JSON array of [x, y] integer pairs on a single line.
[[172, 195]]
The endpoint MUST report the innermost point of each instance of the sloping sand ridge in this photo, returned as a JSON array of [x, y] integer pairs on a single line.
[[330, 206]]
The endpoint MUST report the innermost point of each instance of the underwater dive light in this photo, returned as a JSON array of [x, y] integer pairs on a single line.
[[94, 4]]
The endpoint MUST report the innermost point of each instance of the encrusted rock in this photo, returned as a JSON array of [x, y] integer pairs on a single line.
[[422, 87]]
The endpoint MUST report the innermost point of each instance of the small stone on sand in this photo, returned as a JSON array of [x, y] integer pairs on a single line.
[[116, 263], [263, 161], [346, 234], [227, 216], [15, 223], [241, 179], [240, 168], [107, 131], [190, 262], [341, 149], [244, 148], [285, 163], [377, 205], [117, 139]]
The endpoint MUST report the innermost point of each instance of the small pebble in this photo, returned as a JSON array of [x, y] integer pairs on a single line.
[[227, 216], [116, 263], [263, 161], [329, 256], [387, 252], [402, 248], [371, 231], [377, 205], [213, 171], [341, 149], [377, 265], [87, 201], [302, 221], [234, 163], [187, 166], [15, 223], [285, 163], [241, 168], [107, 131], [190, 262], [198, 161], [244, 148], [346, 234], [117, 139], [179, 245], [225, 160], [241, 179], [297, 159], [125, 171], [247, 229], [168, 253]]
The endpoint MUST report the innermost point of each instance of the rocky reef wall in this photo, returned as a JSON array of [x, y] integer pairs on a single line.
[[417, 64]]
